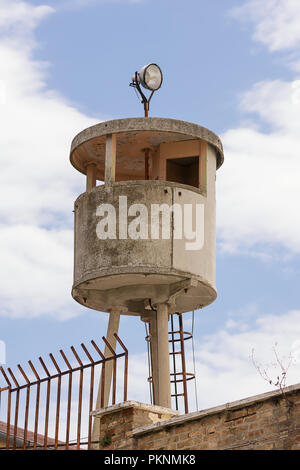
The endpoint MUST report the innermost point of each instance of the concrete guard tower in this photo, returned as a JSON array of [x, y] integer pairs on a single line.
[[145, 272]]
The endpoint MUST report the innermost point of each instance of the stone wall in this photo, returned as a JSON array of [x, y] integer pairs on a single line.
[[2, 442], [118, 422], [265, 422]]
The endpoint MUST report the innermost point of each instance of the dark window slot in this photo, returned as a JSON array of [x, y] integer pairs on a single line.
[[183, 170]]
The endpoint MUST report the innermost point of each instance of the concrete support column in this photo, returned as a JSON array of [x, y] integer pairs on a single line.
[[91, 176], [113, 327], [110, 159], [154, 356], [163, 358]]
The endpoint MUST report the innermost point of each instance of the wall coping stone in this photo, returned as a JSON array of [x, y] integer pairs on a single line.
[[211, 411], [133, 404]]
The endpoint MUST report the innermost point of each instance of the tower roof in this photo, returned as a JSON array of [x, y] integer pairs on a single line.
[[133, 136]]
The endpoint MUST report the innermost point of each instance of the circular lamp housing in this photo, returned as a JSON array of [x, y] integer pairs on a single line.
[[151, 77]]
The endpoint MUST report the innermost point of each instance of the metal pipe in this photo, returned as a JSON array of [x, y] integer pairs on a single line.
[[57, 401], [47, 403], [174, 361], [91, 394], [16, 408], [36, 421], [69, 399], [114, 369], [125, 365], [186, 407], [79, 397]]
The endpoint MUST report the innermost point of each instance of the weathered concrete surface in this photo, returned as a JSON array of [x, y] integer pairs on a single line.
[[128, 272], [132, 136], [162, 364], [166, 413]]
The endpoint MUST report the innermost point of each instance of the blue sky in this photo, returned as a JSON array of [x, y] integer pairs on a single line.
[[233, 67]]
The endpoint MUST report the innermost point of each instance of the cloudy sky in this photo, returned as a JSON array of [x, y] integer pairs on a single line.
[[233, 67]]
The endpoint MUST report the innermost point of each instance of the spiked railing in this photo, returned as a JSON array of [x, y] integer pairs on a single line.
[[34, 397]]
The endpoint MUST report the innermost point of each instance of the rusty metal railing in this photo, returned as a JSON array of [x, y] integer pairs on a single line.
[[57, 411]]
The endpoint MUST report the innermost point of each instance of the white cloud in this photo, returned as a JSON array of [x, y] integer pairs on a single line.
[[20, 16], [258, 186], [38, 184], [224, 368], [36, 272], [138, 387], [276, 22]]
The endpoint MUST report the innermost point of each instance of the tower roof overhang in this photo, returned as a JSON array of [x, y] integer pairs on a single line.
[[133, 135]]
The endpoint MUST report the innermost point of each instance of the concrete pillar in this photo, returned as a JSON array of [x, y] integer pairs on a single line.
[[91, 176], [113, 327], [154, 356], [163, 358], [110, 159]]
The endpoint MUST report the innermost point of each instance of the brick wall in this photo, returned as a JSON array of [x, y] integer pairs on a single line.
[[2, 442], [117, 423], [267, 421]]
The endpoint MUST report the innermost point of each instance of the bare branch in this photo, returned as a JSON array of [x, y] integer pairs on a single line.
[[280, 381]]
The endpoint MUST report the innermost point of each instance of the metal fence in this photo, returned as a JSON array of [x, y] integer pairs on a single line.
[[53, 402]]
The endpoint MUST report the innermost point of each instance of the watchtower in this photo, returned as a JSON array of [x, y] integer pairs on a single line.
[[145, 239]]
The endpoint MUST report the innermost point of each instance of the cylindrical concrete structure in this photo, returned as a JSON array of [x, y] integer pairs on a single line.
[[149, 254]]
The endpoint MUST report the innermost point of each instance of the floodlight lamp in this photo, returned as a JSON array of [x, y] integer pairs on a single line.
[[151, 77]]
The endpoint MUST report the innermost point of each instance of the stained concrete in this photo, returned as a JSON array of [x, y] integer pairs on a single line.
[[132, 136], [128, 272]]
